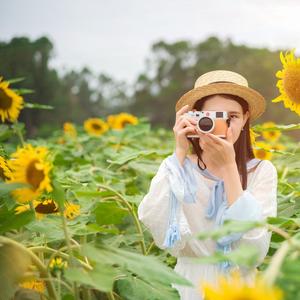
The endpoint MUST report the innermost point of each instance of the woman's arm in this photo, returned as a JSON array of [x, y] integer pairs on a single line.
[[232, 183], [257, 202], [155, 208]]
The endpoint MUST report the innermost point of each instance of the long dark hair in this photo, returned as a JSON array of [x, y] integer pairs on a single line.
[[242, 147]]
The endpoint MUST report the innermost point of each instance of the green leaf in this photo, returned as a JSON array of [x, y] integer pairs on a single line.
[[260, 127], [6, 188], [126, 157], [87, 194], [230, 226], [5, 132], [14, 80], [9, 220], [109, 213], [147, 267], [101, 277], [23, 91], [37, 105], [58, 194], [242, 255], [133, 288]]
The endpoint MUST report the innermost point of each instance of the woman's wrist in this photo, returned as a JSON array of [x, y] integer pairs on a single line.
[[229, 167]]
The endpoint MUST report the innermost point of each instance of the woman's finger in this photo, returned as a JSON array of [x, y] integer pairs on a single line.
[[182, 110], [215, 139], [185, 122], [186, 130]]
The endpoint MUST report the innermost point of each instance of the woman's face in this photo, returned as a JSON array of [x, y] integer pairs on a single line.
[[234, 110]]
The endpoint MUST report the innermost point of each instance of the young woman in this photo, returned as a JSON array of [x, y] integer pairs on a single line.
[[210, 179]]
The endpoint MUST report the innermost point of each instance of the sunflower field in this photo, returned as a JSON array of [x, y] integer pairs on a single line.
[[68, 208]]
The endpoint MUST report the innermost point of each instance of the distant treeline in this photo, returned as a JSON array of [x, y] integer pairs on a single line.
[[170, 70]]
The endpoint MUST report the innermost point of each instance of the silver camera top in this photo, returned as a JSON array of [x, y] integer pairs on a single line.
[[208, 113]]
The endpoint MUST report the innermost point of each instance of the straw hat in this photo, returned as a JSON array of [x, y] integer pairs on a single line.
[[224, 82]]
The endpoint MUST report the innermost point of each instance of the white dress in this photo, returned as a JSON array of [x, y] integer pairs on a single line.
[[154, 209]]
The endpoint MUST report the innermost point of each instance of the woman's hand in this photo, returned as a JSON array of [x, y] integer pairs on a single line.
[[220, 151], [183, 126]]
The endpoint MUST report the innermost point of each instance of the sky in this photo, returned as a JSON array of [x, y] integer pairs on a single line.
[[114, 37]]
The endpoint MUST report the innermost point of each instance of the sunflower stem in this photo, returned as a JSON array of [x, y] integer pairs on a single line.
[[273, 269], [69, 246], [59, 285], [19, 134], [132, 212], [60, 253]]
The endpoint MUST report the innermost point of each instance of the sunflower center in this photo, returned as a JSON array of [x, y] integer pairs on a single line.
[[125, 122], [291, 84], [5, 100], [272, 133], [96, 126], [34, 176], [46, 208]]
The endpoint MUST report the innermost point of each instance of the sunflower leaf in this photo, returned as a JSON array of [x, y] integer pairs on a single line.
[[260, 128], [37, 105], [58, 194], [14, 80], [101, 277], [23, 91], [230, 226], [9, 220]]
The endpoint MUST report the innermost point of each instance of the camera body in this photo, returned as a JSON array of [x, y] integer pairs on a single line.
[[214, 122]]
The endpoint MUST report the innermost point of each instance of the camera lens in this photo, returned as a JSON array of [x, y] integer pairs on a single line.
[[205, 124]]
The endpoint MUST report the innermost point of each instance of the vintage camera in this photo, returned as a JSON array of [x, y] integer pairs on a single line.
[[214, 122]]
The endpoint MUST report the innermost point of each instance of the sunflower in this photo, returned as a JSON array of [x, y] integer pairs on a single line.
[[29, 165], [5, 172], [119, 121], [10, 103], [273, 135], [235, 288], [95, 126], [69, 129], [36, 285], [289, 82], [57, 264], [41, 208], [49, 206], [263, 152], [71, 210], [253, 136], [111, 120]]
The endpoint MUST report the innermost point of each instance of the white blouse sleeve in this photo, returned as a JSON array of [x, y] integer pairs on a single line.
[[154, 210], [264, 190]]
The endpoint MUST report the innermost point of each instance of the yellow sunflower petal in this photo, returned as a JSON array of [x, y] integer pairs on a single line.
[[5, 172], [261, 151], [234, 287], [289, 82], [123, 119], [69, 129], [71, 210], [271, 136], [30, 165], [10, 103]]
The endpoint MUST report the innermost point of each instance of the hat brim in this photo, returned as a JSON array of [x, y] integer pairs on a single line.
[[256, 102]]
